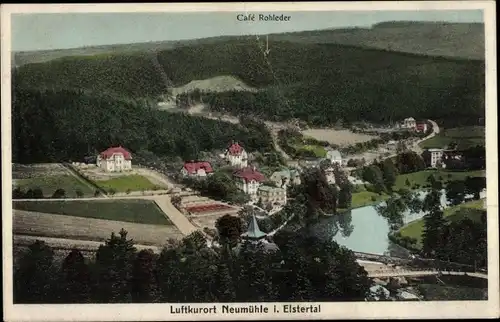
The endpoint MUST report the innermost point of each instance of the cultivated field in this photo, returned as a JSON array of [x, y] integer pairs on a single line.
[[208, 220], [126, 183], [49, 177], [59, 226], [134, 211], [338, 137]]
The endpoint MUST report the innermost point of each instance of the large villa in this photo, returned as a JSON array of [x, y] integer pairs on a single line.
[[115, 159]]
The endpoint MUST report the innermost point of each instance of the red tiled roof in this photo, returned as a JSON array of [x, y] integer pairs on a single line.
[[192, 167], [116, 150], [235, 149], [421, 125], [250, 173]]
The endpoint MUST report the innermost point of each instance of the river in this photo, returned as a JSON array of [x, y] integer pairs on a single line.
[[364, 230]]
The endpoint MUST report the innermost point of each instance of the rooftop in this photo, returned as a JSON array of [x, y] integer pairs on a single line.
[[235, 149], [253, 231], [116, 150], [249, 174], [193, 166]]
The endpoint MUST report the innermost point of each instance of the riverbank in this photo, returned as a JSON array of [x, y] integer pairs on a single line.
[[415, 228]]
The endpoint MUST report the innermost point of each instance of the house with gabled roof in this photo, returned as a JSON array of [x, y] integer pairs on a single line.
[[236, 155], [409, 123], [196, 169], [115, 159], [248, 180]]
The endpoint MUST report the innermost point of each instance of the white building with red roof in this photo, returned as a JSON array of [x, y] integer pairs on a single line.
[[248, 180], [115, 159], [197, 169], [236, 155]]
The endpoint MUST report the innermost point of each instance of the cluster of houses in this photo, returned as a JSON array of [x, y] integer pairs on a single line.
[[411, 124], [251, 181], [247, 178]]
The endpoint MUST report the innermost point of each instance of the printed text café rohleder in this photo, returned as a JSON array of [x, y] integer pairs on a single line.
[[262, 17]]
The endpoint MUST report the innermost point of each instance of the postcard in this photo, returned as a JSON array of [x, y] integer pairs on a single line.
[[248, 161]]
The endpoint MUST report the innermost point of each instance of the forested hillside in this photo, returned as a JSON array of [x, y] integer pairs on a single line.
[[67, 125], [321, 83], [460, 40]]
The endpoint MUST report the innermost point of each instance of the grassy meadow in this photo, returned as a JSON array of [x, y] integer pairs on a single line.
[[464, 137], [420, 178], [49, 184]]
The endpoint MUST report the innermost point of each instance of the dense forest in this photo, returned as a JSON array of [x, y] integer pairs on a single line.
[[63, 125], [319, 83], [303, 269]]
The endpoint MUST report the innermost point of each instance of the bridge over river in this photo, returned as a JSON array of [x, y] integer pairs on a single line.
[[422, 272]]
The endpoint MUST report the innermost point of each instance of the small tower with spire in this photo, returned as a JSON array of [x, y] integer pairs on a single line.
[[253, 232]]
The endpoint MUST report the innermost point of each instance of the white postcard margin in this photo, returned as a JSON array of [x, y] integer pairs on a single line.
[[157, 312]]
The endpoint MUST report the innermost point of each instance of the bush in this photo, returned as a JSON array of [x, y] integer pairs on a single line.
[[373, 198], [59, 193]]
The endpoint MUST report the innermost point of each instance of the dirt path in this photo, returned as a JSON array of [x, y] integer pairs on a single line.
[[179, 220]]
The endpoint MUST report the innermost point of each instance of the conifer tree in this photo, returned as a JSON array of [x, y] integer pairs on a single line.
[[75, 279], [34, 278], [114, 262]]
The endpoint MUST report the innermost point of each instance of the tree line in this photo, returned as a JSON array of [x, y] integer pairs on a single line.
[[318, 83], [83, 124], [462, 241], [461, 238], [303, 269]]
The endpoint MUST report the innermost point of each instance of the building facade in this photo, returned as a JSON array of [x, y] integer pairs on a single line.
[[196, 169], [285, 178], [433, 157], [272, 195], [248, 180], [421, 127], [236, 155], [115, 159], [330, 175], [409, 123], [335, 157]]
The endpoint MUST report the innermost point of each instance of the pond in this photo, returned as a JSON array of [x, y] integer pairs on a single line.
[[364, 230]]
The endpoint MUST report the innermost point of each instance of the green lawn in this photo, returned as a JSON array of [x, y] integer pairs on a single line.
[[366, 198], [465, 137], [420, 177], [128, 182], [135, 211], [415, 228], [318, 150], [50, 184]]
